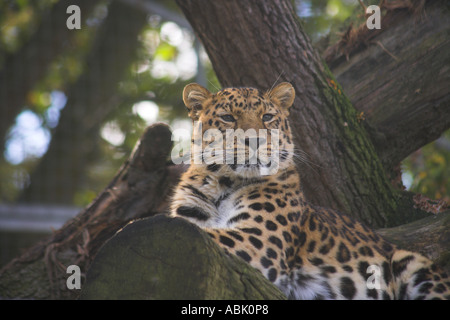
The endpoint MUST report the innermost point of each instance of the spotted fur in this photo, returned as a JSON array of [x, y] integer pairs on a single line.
[[307, 251]]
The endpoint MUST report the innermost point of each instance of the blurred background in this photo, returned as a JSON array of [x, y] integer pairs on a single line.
[[73, 103]]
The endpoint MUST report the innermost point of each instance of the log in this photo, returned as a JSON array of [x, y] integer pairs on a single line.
[[170, 258]]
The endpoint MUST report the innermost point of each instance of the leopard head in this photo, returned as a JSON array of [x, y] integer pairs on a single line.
[[241, 131]]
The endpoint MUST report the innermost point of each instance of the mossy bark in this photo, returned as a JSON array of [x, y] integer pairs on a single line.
[[166, 258]]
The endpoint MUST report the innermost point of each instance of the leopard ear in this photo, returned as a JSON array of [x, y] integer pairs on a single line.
[[193, 97], [283, 95]]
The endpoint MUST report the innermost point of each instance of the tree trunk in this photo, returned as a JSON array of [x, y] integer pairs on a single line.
[[23, 69], [342, 170], [61, 171]]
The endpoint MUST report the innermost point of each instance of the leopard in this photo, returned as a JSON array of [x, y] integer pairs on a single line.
[[256, 210]]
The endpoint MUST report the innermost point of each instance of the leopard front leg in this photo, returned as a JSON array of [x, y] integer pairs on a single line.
[[244, 243]]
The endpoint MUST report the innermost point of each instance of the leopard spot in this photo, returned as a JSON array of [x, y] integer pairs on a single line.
[[272, 254], [272, 274], [366, 251], [192, 212], [343, 254], [287, 236], [244, 255], [269, 207], [372, 293], [271, 226], [258, 219], [316, 261], [266, 262], [399, 266], [347, 287], [312, 224], [276, 241], [235, 235], [280, 203], [255, 231], [281, 220], [256, 206], [213, 167], [227, 241], [362, 269], [241, 216], [311, 246], [255, 242]]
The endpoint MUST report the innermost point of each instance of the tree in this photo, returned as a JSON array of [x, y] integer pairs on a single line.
[[20, 71], [346, 171], [100, 71], [93, 96]]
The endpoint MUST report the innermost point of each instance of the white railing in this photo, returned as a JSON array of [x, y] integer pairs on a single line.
[[37, 218]]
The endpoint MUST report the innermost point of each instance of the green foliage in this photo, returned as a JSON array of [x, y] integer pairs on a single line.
[[18, 19], [157, 76], [427, 171], [324, 17]]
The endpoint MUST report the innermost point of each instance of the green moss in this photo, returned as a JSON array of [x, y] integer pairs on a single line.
[[359, 159], [165, 258]]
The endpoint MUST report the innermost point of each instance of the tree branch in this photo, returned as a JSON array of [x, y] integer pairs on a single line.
[[405, 100]]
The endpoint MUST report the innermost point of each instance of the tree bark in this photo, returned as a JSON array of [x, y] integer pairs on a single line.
[[23, 69], [61, 171], [398, 76], [164, 258], [343, 170]]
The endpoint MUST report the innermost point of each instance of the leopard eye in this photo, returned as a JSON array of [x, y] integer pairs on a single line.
[[267, 117], [228, 118]]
